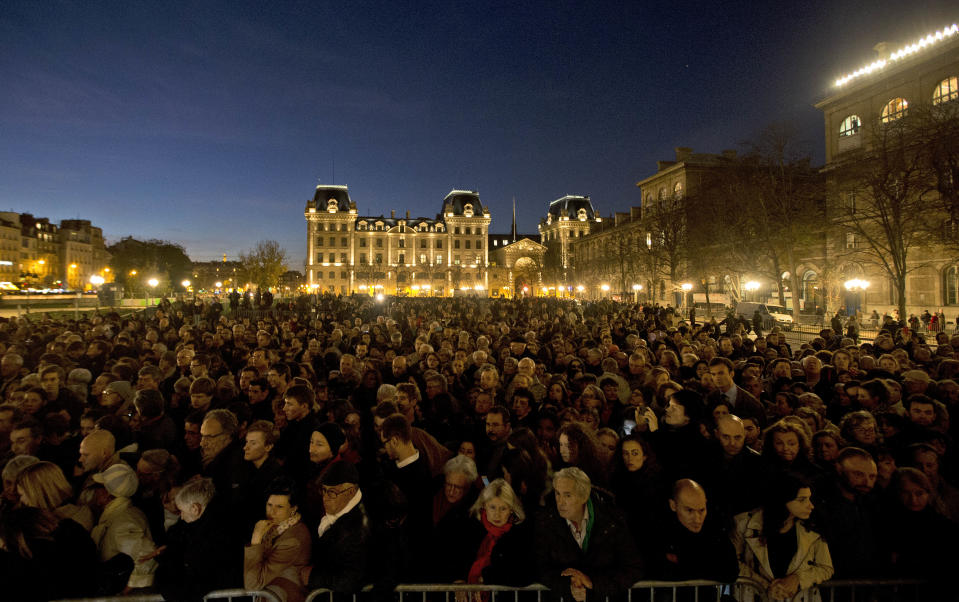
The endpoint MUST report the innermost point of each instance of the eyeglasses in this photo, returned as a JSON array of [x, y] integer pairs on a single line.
[[202, 436], [333, 493]]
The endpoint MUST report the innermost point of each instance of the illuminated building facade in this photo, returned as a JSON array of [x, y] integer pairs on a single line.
[[36, 253], [439, 256], [568, 219], [915, 79]]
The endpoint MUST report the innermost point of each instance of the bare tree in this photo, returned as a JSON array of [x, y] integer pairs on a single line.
[[264, 264], [888, 198]]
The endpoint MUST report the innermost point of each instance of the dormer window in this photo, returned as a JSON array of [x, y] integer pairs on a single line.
[[332, 206], [581, 215]]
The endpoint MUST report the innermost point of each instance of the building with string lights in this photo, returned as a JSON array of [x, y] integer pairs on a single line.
[[866, 108]]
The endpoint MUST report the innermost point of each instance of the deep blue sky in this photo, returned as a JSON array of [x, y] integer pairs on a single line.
[[210, 124]]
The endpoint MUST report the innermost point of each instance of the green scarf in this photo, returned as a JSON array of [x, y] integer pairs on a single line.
[[590, 521]]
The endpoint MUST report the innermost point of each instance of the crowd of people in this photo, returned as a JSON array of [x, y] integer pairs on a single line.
[[582, 446]]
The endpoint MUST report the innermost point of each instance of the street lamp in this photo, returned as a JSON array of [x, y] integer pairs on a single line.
[[856, 285], [185, 284], [636, 289], [96, 280], [153, 282], [218, 284], [752, 286]]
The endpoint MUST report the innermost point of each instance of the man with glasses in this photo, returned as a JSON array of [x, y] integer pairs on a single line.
[[222, 454], [340, 555]]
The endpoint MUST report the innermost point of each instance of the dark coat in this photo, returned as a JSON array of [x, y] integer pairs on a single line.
[[610, 560], [509, 561], [682, 555], [62, 567], [341, 555], [201, 556]]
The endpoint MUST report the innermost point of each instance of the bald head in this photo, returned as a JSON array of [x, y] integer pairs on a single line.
[[731, 434], [96, 449], [689, 504]]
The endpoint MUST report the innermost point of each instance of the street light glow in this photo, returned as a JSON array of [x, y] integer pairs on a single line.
[[687, 286], [856, 284], [604, 288], [186, 284], [637, 287], [153, 282], [96, 280], [752, 285], [580, 288], [218, 284]]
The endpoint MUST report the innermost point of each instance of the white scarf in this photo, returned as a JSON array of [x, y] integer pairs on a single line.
[[327, 521]]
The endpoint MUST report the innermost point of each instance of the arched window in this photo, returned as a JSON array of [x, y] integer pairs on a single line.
[[948, 89], [894, 109], [662, 193], [951, 286], [850, 126], [678, 190]]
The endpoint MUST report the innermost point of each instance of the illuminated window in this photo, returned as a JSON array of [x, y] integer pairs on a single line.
[[850, 126], [894, 109], [678, 190], [948, 89]]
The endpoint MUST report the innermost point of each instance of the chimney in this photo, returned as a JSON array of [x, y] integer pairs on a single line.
[[729, 154], [882, 51], [683, 153], [392, 213], [407, 214]]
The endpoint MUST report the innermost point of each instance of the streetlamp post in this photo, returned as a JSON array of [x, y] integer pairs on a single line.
[[636, 289], [153, 282]]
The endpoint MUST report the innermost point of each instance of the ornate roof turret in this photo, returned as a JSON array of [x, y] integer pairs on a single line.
[[572, 206], [463, 203], [332, 198]]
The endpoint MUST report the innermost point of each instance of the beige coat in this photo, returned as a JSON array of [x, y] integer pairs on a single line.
[[279, 563], [812, 562]]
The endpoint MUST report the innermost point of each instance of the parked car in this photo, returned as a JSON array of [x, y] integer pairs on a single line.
[[773, 315]]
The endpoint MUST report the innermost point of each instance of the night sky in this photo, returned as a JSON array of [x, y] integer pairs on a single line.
[[210, 124]]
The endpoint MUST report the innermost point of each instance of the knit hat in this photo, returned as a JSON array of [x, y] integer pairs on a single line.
[[333, 434], [916, 375], [121, 388], [341, 472], [119, 480]]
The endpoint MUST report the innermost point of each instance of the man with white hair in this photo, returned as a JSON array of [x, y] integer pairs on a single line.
[[204, 551], [583, 544]]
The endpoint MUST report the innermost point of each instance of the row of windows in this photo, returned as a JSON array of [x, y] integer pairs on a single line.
[[946, 91]]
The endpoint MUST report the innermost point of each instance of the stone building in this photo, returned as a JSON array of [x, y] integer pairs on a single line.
[[568, 219], [439, 256], [917, 80], [36, 253]]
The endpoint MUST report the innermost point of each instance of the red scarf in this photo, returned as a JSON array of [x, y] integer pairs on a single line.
[[493, 533]]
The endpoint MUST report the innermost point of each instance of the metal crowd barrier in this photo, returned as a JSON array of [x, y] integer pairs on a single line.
[[654, 591], [873, 590], [846, 590], [231, 595]]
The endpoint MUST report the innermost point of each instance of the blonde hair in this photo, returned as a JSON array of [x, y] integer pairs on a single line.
[[44, 486], [501, 489]]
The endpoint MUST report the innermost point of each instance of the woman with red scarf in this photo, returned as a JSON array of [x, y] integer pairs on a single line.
[[498, 544]]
